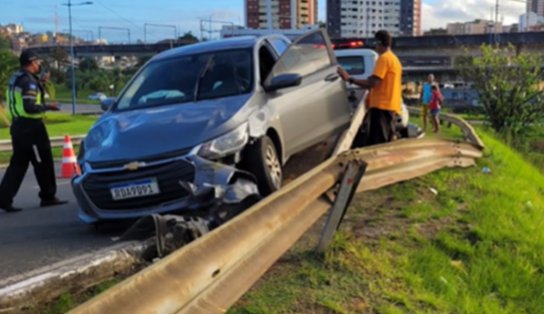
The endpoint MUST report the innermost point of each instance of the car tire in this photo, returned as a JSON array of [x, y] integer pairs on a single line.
[[261, 159]]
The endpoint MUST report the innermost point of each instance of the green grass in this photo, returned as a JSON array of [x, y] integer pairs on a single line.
[[68, 301], [56, 151], [59, 124], [475, 247], [64, 95], [446, 131]]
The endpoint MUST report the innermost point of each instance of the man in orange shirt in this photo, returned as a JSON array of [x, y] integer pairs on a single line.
[[384, 98]]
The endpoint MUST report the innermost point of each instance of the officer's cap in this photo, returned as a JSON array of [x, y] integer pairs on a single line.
[[27, 56]]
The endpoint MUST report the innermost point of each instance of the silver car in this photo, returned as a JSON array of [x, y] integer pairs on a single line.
[[210, 121]]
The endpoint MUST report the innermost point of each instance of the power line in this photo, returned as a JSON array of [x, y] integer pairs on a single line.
[[117, 14]]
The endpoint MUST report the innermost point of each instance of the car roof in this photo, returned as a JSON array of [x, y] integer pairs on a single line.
[[214, 45]]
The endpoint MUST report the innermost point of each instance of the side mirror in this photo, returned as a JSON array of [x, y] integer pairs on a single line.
[[106, 103], [283, 81]]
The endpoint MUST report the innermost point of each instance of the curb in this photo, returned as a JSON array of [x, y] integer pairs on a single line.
[[39, 287]]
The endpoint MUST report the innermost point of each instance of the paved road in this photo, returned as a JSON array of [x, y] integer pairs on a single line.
[[81, 109], [38, 236]]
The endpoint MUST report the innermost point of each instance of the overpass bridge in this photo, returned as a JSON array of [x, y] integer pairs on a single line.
[[419, 55]]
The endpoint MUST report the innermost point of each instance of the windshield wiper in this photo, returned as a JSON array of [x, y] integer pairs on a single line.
[[201, 76]]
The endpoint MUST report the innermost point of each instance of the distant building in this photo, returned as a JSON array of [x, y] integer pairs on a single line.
[[13, 29], [535, 6], [349, 18], [529, 21], [474, 27], [237, 30], [285, 14], [410, 18], [514, 28]]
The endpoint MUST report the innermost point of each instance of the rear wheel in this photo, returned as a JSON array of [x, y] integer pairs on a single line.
[[261, 159]]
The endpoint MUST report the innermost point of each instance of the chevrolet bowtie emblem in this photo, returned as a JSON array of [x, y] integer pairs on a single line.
[[133, 166]]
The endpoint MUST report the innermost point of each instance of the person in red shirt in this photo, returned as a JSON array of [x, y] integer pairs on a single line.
[[434, 105]]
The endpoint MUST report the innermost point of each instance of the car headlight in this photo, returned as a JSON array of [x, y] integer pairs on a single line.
[[227, 144]]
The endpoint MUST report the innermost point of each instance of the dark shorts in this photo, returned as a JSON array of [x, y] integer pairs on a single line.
[[435, 112], [424, 109], [378, 127]]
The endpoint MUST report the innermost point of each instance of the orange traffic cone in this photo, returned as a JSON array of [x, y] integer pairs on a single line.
[[69, 162]]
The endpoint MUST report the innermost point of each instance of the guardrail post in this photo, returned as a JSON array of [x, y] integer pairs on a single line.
[[348, 187]]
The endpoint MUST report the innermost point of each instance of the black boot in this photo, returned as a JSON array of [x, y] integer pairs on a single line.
[[9, 208], [52, 202]]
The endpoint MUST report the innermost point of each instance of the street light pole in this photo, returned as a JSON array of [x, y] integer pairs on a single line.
[[72, 58], [69, 5]]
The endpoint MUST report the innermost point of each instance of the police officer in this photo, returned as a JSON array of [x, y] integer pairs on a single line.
[[29, 138]]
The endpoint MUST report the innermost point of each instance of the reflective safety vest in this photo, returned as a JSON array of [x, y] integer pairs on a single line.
[[15, 98]]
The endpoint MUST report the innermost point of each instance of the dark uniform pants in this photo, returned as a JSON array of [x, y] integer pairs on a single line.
[[378, 127], [30, 143]]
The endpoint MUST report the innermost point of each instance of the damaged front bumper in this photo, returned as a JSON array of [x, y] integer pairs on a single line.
[[190, 185]]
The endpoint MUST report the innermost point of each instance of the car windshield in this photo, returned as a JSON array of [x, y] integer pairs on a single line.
[[190, 78], [353, 65]]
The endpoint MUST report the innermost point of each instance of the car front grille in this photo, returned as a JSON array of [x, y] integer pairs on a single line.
[[168, 176], [120, 163]]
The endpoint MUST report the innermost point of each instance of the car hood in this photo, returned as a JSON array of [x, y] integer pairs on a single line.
[[129, 135]]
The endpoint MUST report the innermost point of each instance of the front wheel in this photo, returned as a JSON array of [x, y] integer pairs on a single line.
[[261, 159]]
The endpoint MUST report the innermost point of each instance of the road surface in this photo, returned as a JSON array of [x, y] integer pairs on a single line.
[[37, 237], [81, 109]]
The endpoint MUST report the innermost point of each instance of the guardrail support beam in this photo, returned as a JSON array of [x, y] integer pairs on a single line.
[[350, 181]]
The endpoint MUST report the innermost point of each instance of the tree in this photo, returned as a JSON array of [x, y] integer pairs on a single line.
[[436, 31], [60, 56], [188, 37], [8, 65], [509, 89], [88, 64], [5, 43]]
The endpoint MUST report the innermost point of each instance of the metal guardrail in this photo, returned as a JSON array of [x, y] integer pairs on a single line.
[[468, 131], [212, 273], [58, 141]]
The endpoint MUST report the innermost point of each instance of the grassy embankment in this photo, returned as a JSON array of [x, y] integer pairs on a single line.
[[474, 247]]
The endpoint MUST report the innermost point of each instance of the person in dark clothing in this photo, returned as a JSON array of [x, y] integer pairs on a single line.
[[29, 138]]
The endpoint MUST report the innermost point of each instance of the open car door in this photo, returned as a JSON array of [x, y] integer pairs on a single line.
[[316, 108]]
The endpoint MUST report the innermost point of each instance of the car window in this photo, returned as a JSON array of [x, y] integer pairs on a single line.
[[307, 55], [353, 65], [189, 78], [279, 45]]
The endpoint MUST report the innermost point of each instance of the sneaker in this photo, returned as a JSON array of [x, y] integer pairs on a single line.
[[52, 202], [10, 209]]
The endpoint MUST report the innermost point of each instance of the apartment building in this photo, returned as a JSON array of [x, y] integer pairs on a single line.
[[280, 14], [362, 18], [474, 27], [410, 18], [535, 6]]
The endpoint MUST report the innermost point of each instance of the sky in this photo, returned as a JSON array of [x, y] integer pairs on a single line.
[[113, 17]]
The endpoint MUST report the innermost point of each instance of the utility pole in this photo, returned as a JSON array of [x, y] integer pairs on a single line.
[[100, 28], [161, 25], [69, 5]]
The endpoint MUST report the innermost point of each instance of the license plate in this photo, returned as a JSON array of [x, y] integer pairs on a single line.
[[134, 189]]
